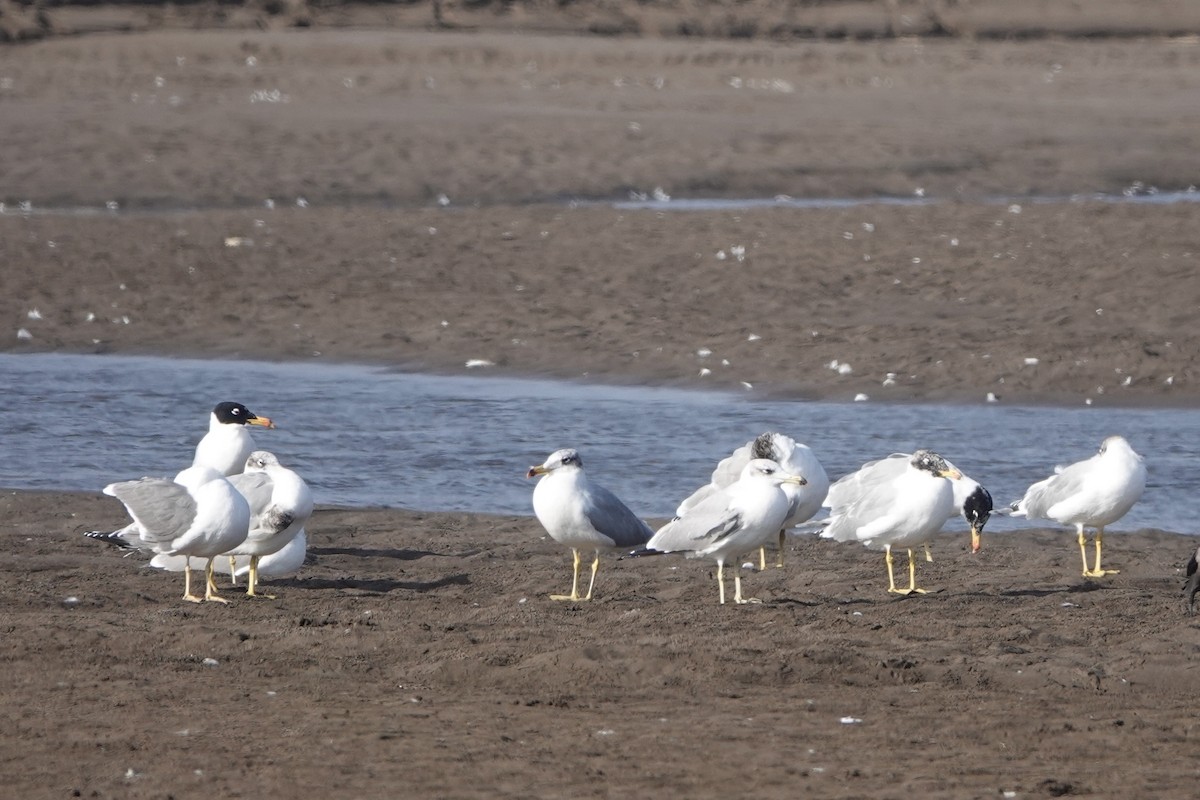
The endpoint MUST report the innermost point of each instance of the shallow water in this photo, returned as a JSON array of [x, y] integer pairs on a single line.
[[640, 202], [367, 436]]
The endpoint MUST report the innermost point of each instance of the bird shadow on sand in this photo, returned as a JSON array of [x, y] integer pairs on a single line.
[[398, 554], [374, 585], [1076, 588]]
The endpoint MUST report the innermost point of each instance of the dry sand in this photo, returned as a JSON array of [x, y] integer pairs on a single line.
[[418, 654]]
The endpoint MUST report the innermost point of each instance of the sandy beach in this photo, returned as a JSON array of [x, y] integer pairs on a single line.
[[360, 183]]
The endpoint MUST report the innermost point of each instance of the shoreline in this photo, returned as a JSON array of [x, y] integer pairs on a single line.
[[825, 394]]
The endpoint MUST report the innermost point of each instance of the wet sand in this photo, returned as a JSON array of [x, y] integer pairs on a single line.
[[422, 214], [419, 654]]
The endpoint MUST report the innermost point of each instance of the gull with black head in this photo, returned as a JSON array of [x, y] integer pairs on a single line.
[[228, 442]]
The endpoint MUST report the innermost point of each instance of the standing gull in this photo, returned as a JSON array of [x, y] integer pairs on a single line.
[[582, 515], [732, 521], [197, 515], [971, 500], [228, 443], [282, 563], [280, 505], [795, 458], [882, 507], [1089, 494]]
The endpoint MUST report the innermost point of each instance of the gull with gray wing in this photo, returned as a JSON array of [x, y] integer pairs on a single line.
[[795, 458], [881, 507], [582, 515], [1092, 493], [197, 515], [733, 521]]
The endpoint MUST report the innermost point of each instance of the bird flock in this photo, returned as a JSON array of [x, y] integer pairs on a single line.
[[235, 507], [239, 510], [774, 484]]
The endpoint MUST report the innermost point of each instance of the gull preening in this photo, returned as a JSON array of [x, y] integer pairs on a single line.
[[733, 521], [228, 443], [1093, 493], [794, 458], [197, 515], [883, 506], [582, 515]]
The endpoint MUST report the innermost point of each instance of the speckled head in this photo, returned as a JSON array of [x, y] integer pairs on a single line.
[[931, 462], [764, 446]]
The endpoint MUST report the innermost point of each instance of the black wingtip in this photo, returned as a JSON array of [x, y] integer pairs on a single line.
[[638, 552], [109, 537]]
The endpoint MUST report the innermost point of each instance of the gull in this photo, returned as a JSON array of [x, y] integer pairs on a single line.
[[732, 521], [1092, 493], [280, 505], [228, 444], [283, 563], [884, 507], [795, 458], [197, 515], [582, 515], [971, 500]]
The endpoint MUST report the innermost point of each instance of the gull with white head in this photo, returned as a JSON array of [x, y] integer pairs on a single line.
[[197, 515], [581, 514], [732, 521], [795, 458], [1092, 493]]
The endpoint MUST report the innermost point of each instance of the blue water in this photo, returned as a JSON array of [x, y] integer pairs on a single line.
[[367, 436]]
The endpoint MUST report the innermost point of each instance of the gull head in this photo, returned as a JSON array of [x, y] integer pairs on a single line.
[[931, 462], [259, 460], [766, 469], [559, 459], [977, 509], [229, 413]]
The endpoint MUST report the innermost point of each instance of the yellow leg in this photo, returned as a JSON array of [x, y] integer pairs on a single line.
[[887, 556], [210, 589], [762, 558], [782, 542], [574, 595], [592, 582], [233, 570], [1097, 572], [1083, 551], [252, 581], [721, 580], [187, 582], [912, 575], [928, 555], [737, 588]]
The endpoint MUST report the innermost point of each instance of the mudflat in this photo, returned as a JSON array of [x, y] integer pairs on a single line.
[[425, 198]]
